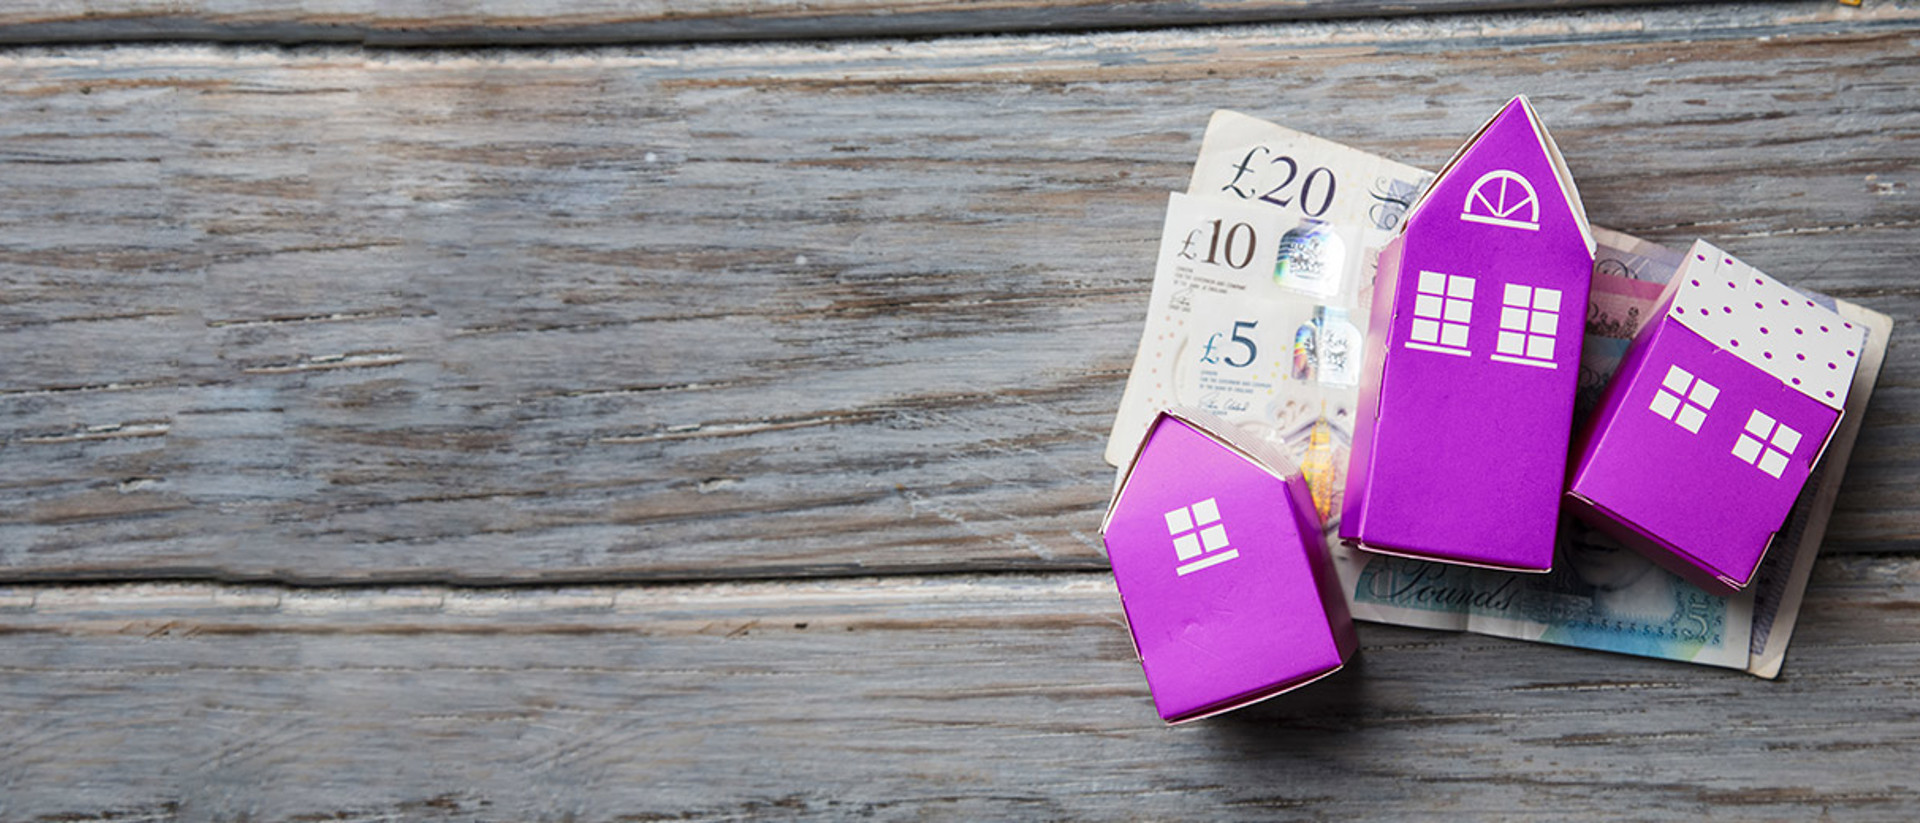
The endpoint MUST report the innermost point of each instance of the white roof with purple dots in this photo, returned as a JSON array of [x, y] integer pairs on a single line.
[[1763, 322]]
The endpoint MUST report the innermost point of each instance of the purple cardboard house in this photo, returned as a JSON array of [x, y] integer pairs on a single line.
[[1460, 449], [1223, 570], [1709, 430]]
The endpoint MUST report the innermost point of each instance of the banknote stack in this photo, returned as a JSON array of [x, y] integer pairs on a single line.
[[1284, 365]]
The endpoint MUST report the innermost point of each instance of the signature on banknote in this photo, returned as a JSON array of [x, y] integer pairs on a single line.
[[1599, 596]]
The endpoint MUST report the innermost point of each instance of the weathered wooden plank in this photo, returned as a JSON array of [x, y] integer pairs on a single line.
[[710, 312], [991, 697], [547, 23]]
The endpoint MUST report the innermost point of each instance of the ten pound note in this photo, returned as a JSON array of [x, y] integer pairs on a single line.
[[1257, 313]]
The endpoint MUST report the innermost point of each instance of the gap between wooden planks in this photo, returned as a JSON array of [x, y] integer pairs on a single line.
[[520, 23]]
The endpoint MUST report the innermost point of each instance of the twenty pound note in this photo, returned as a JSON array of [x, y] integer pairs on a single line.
[[1260, 293], [1320, 212]]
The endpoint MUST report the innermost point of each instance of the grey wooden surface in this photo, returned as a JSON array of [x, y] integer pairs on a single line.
[[952, 697], [332, 315], [771, 380]]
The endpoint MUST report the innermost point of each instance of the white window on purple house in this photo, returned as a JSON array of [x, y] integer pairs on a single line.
[[1685, 400], [1199, 538], [1442, 307], [1769, 447], [1503, 198], [1528, 319]]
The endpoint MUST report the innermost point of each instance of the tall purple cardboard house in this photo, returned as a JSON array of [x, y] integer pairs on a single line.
[[1223, 570], [1479, 306], [1713, 424]]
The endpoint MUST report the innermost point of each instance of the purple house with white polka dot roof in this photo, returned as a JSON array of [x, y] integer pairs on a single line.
[[1712, 425]]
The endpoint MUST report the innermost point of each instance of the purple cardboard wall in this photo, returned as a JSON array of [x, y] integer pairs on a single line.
[[1460, 451], [1223, 570]]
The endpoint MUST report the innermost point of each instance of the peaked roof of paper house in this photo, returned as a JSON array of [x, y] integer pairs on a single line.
[[1257, 452], [1570, 193], [1775, 329]]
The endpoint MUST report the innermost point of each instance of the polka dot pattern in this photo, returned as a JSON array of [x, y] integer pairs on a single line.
[[1713, 298]]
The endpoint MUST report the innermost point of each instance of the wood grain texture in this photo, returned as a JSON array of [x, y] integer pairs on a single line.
[[978, 698], [548, 23], [706, 312]]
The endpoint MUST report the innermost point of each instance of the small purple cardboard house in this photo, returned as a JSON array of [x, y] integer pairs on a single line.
[[1479, 306], [1223, 570], [1709, 430]]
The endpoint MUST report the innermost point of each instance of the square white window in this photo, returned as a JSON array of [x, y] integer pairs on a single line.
[[1513, 318], [1677, 379], [1426, 331], [1546, 299], [1453, 334], [1773, 462], [1458, 311], [1664, 404], [1178, 521], [1511, 342], [1214, 537], [1187, 546], [1544, 322], [1760, 424], [1427, 305], [1206, 511], [1539, 348], [1747, 449], [1460, 287], [1703, 393], [1690, 418], [1518, 295], [1786, 439], [1433, 282]]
